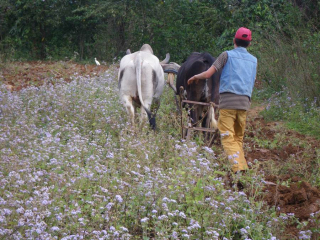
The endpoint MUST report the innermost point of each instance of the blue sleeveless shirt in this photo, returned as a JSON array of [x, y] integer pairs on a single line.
[[239, 73]]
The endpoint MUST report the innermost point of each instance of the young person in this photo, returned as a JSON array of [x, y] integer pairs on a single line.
[[238, 75]]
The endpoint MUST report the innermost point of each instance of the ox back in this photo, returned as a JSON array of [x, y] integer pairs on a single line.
[[203, 91]]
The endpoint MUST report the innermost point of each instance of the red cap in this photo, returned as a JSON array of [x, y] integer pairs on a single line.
[[243, 34]]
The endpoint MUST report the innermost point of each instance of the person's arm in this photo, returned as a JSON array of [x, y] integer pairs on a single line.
[[204, 75]]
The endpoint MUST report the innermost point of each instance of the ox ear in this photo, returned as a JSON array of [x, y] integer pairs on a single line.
[[128, 51], [171, 67], [166, 60]]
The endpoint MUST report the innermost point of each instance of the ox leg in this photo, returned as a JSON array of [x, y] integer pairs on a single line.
[[129, 107], [199, 115], [187, 132], [177, 104], [143, 115], [206, 124], [170, 82], [155, 105], [195, 112], [147, 91]]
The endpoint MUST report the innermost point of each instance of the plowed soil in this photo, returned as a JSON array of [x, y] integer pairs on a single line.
[[287, 159], [294, 157], [22, 74]]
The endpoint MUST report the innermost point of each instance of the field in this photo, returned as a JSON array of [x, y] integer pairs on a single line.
[[72, 168]]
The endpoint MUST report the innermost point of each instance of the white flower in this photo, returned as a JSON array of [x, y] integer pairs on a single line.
[[119, 198], [28, 213], [110, 155], [55, 228], [305, 234], [174, 235], [2, 219], [177, 146], [181, 214], [21, 222], [45, 202], [124, 229], [209, 150], [20, 210], [109, 205], [147, 169], [48, 135], [243, 231], [165, 199], [143, 220], [7, 211]]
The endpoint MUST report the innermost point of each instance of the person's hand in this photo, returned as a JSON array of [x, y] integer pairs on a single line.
[[192, 79]]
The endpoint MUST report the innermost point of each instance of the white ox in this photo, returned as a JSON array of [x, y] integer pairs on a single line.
[[140, 81]]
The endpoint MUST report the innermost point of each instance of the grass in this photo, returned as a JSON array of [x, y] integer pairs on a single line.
[[289, 80], [298, 116], [72, 168]]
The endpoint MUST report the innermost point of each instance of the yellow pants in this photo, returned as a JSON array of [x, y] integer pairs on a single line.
[[231, 125]]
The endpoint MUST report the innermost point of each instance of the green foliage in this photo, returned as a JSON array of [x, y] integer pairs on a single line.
[[301, 115], [30, 26], [290, 79], [54, 29], [291, 63]]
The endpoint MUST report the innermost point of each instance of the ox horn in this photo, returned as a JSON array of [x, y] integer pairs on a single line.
[[128, 51], [166, 60]]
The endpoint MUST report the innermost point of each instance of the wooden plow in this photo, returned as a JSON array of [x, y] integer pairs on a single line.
[[193, 126]]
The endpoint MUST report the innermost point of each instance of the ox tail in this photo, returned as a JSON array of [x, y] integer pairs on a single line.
[[138, 75], [213, 121]]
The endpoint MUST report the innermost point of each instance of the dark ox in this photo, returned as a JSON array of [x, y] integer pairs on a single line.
[[201, 91]]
